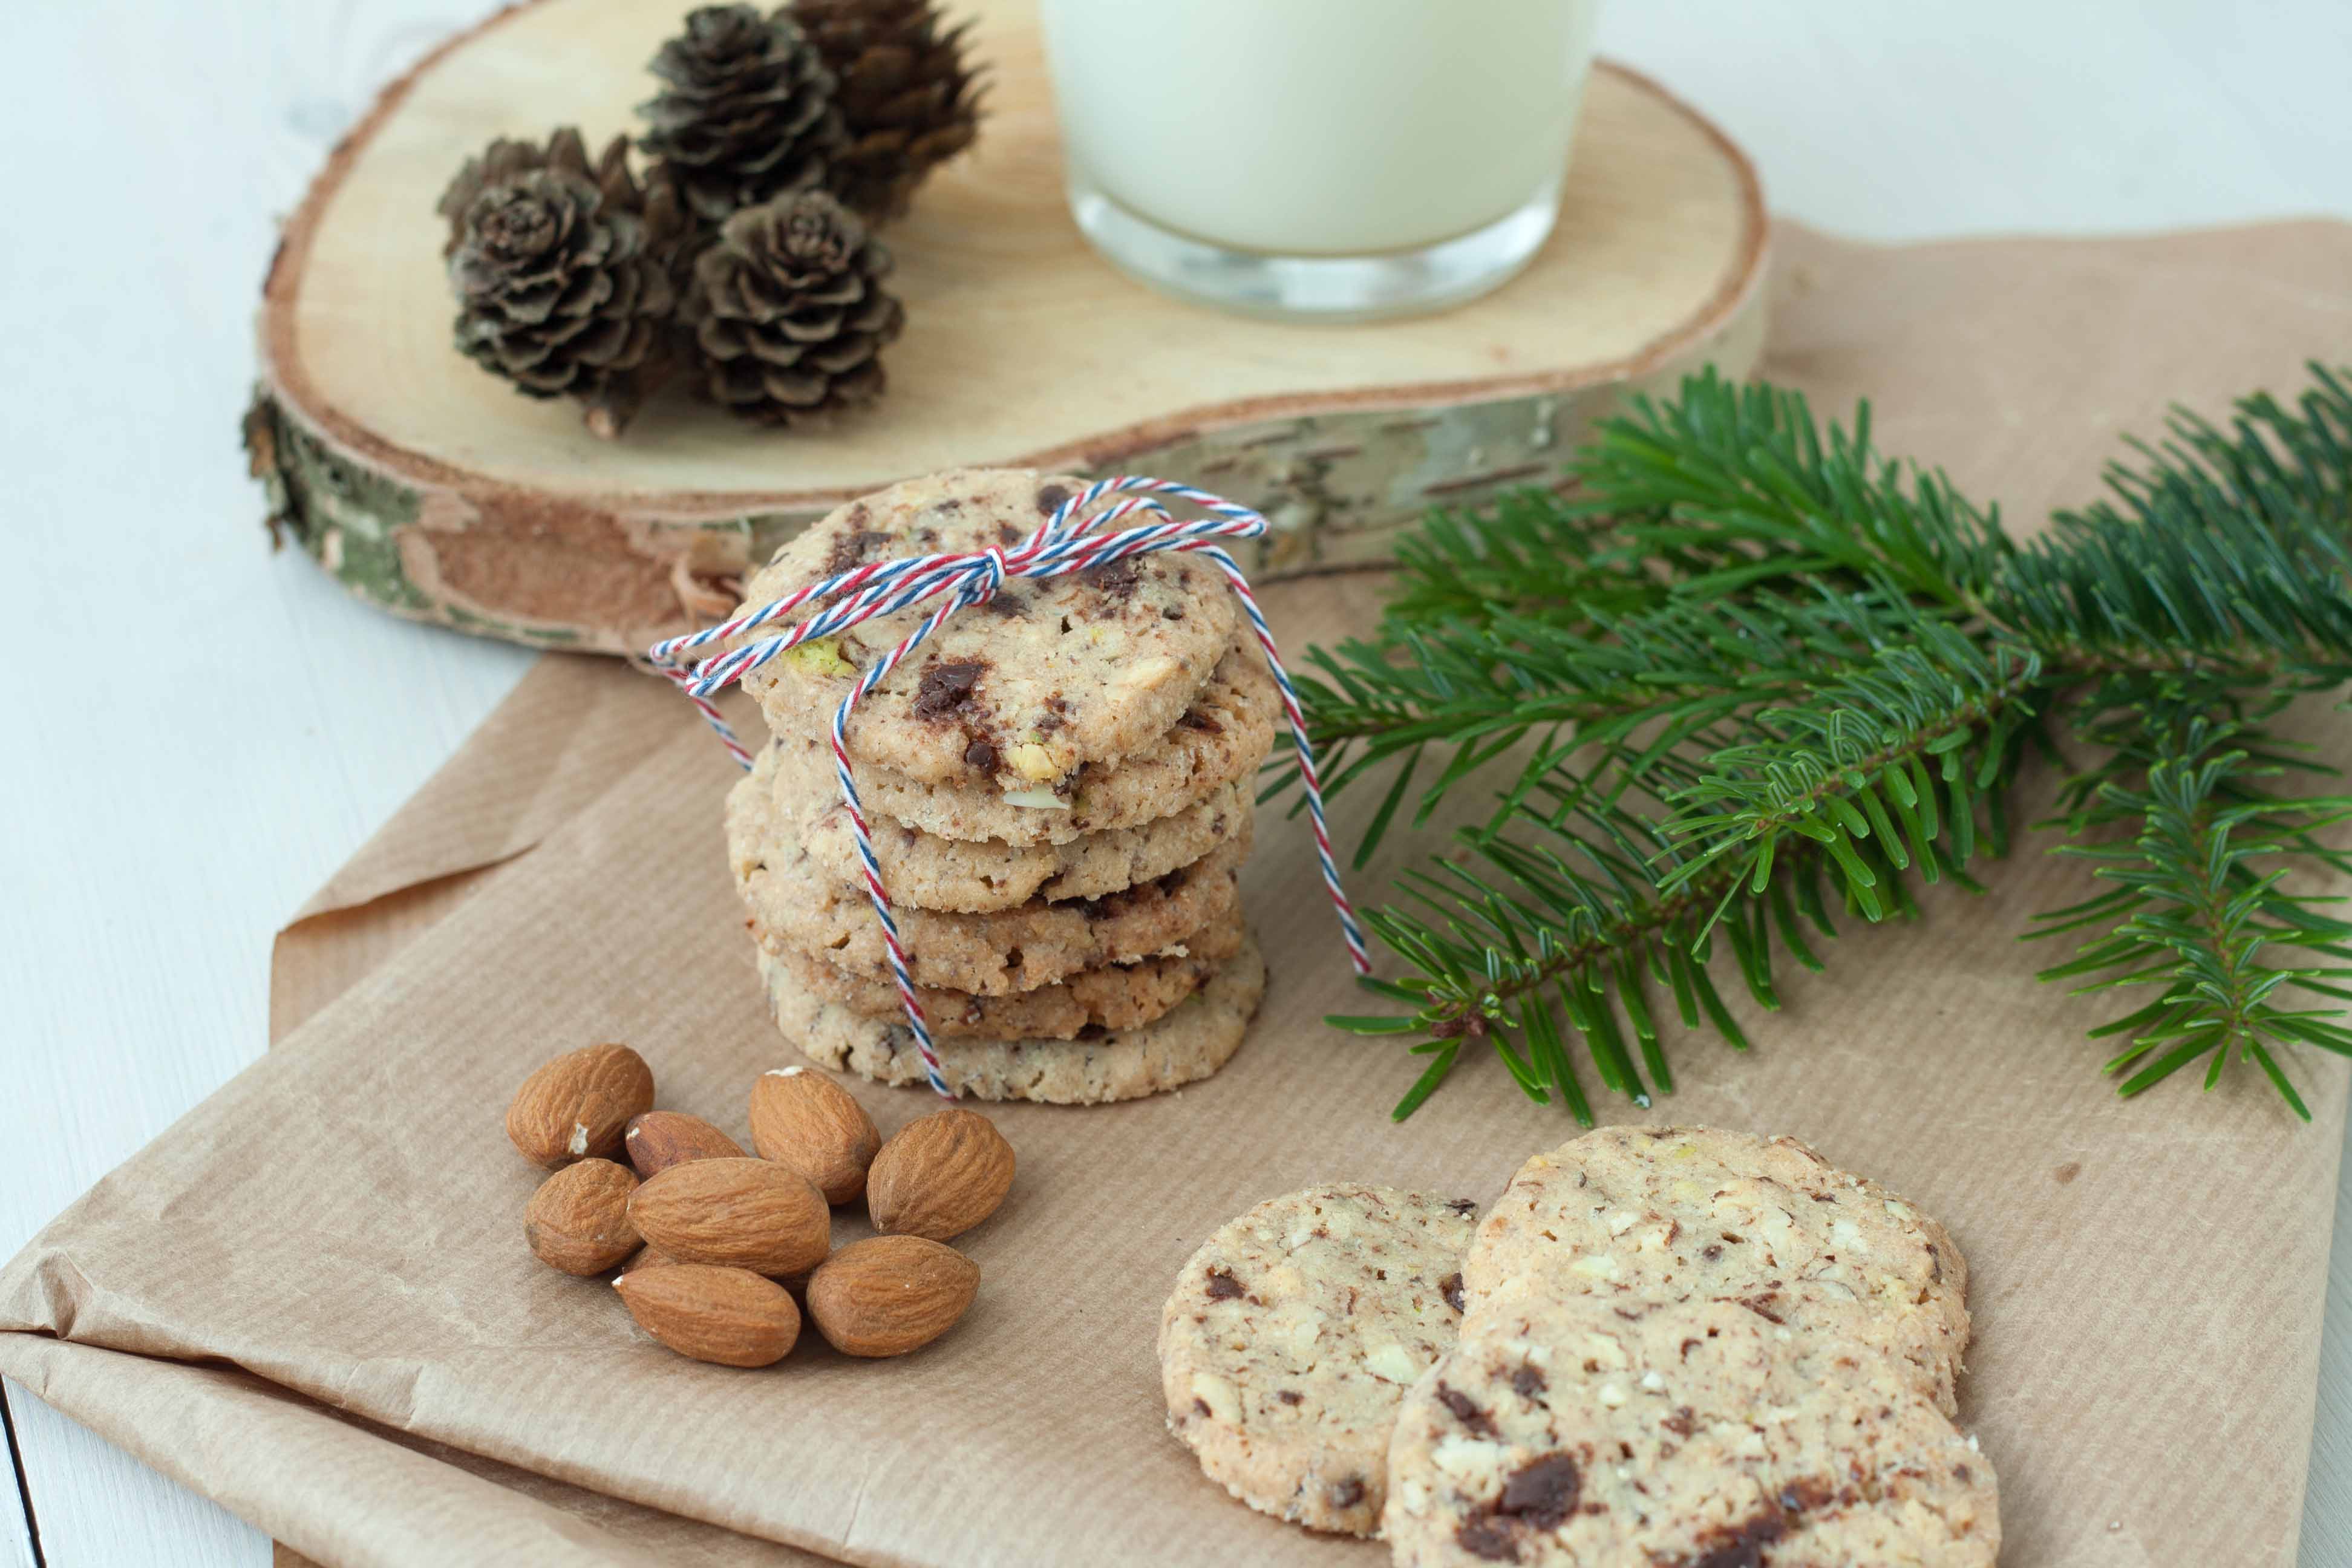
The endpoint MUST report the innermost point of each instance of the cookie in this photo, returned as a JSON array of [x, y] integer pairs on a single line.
[[1582, 1431], [1293, 1334], [1015, 694], [796, 905], [1661, 1214], [1117, 996], [976, 876], [1182, 1046], [1219, 738]]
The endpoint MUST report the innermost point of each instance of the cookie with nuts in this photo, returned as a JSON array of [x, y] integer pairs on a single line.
[[796, 906], [925, 871], [1113, 996], [1293, 1334], [1012, 695], [1575, 1430], [1184, 1038], [1219, 739], [1666, 1213]]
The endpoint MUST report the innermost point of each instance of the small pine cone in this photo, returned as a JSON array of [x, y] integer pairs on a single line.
[[789, 313], [904, 92], [748, 114], [566, 276], [655, 200]]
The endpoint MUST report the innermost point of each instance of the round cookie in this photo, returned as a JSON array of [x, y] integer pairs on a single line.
[[1184, 1045], [1117, 996], [1584, 1431], [1663, 1213], [977, 876], [1587, 1433], [1293, 1334], [1053, 672], [796, 905], [1219, 738]]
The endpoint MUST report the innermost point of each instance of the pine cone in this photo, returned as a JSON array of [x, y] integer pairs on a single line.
[[566, 277], [789, 313], [903, 90], [748, 114]]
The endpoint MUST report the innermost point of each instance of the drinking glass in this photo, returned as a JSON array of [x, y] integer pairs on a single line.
[[1318, 159]]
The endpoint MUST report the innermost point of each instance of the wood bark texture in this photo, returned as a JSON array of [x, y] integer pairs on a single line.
[[433, 491]]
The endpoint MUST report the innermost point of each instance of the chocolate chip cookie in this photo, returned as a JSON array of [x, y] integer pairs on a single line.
[[796, 905], [1219, 738], [1585, 1430], [974, 876], [1662, 1214], [1116, 996], [1179, 1046], [1013, 695], [1293, 1334]]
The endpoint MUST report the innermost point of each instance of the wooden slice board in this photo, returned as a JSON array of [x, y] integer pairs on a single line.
[[435, 490]]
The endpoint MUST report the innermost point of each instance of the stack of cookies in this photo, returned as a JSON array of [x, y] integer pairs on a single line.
[[1661, 1345], [1059, 786]]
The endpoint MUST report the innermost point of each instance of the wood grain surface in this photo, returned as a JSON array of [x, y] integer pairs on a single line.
[[433, 491], [181, 812]]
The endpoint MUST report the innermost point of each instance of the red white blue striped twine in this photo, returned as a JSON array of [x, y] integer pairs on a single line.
[[1065, 543]]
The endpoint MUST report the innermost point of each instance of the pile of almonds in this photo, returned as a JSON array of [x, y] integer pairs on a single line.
[[713, 1236]]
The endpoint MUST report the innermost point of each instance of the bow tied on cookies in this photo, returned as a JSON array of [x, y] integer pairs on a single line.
[[1071, 539]]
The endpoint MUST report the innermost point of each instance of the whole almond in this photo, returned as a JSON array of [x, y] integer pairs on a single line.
[[806, 1121], [650, 1258], [729, 1316], [939, 1175], [660, 1139], [578, 1221], [890, 1295], [746, 1214], [576, 1106]]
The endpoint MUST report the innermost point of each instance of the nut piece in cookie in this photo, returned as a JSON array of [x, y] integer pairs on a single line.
[[1292, 1335]]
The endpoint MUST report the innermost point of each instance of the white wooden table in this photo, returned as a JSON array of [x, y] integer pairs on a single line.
[[168, 807]]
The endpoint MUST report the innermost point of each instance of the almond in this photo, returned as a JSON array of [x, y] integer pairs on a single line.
[[747, 1213], [940, 1176], [729, 1316], [890, 1295], [575, 1107], [806, 1121], [578, 1221], [660, 1139], [650, 1258]]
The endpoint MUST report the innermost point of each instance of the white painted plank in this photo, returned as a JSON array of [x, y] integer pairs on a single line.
[[1897, 122], [16, 1525], [2327, 1494], [108, 1510], [263, 724]]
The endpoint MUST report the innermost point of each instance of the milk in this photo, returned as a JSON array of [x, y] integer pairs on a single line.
[[1319, 128]]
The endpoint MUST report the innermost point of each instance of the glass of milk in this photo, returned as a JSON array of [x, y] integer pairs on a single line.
[[1328, 160]]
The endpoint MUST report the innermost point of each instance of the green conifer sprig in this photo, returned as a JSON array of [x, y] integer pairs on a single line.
[[1744, 675]]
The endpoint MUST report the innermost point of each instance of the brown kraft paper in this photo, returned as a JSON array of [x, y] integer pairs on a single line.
[[311, 1299]]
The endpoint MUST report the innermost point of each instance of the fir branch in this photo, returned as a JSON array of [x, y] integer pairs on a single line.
[[1741, 479], [1530, 552], [2220, 554], [1924, 735], [1754, 672], [2198, 910], [1665, 677], [1854, 761]]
